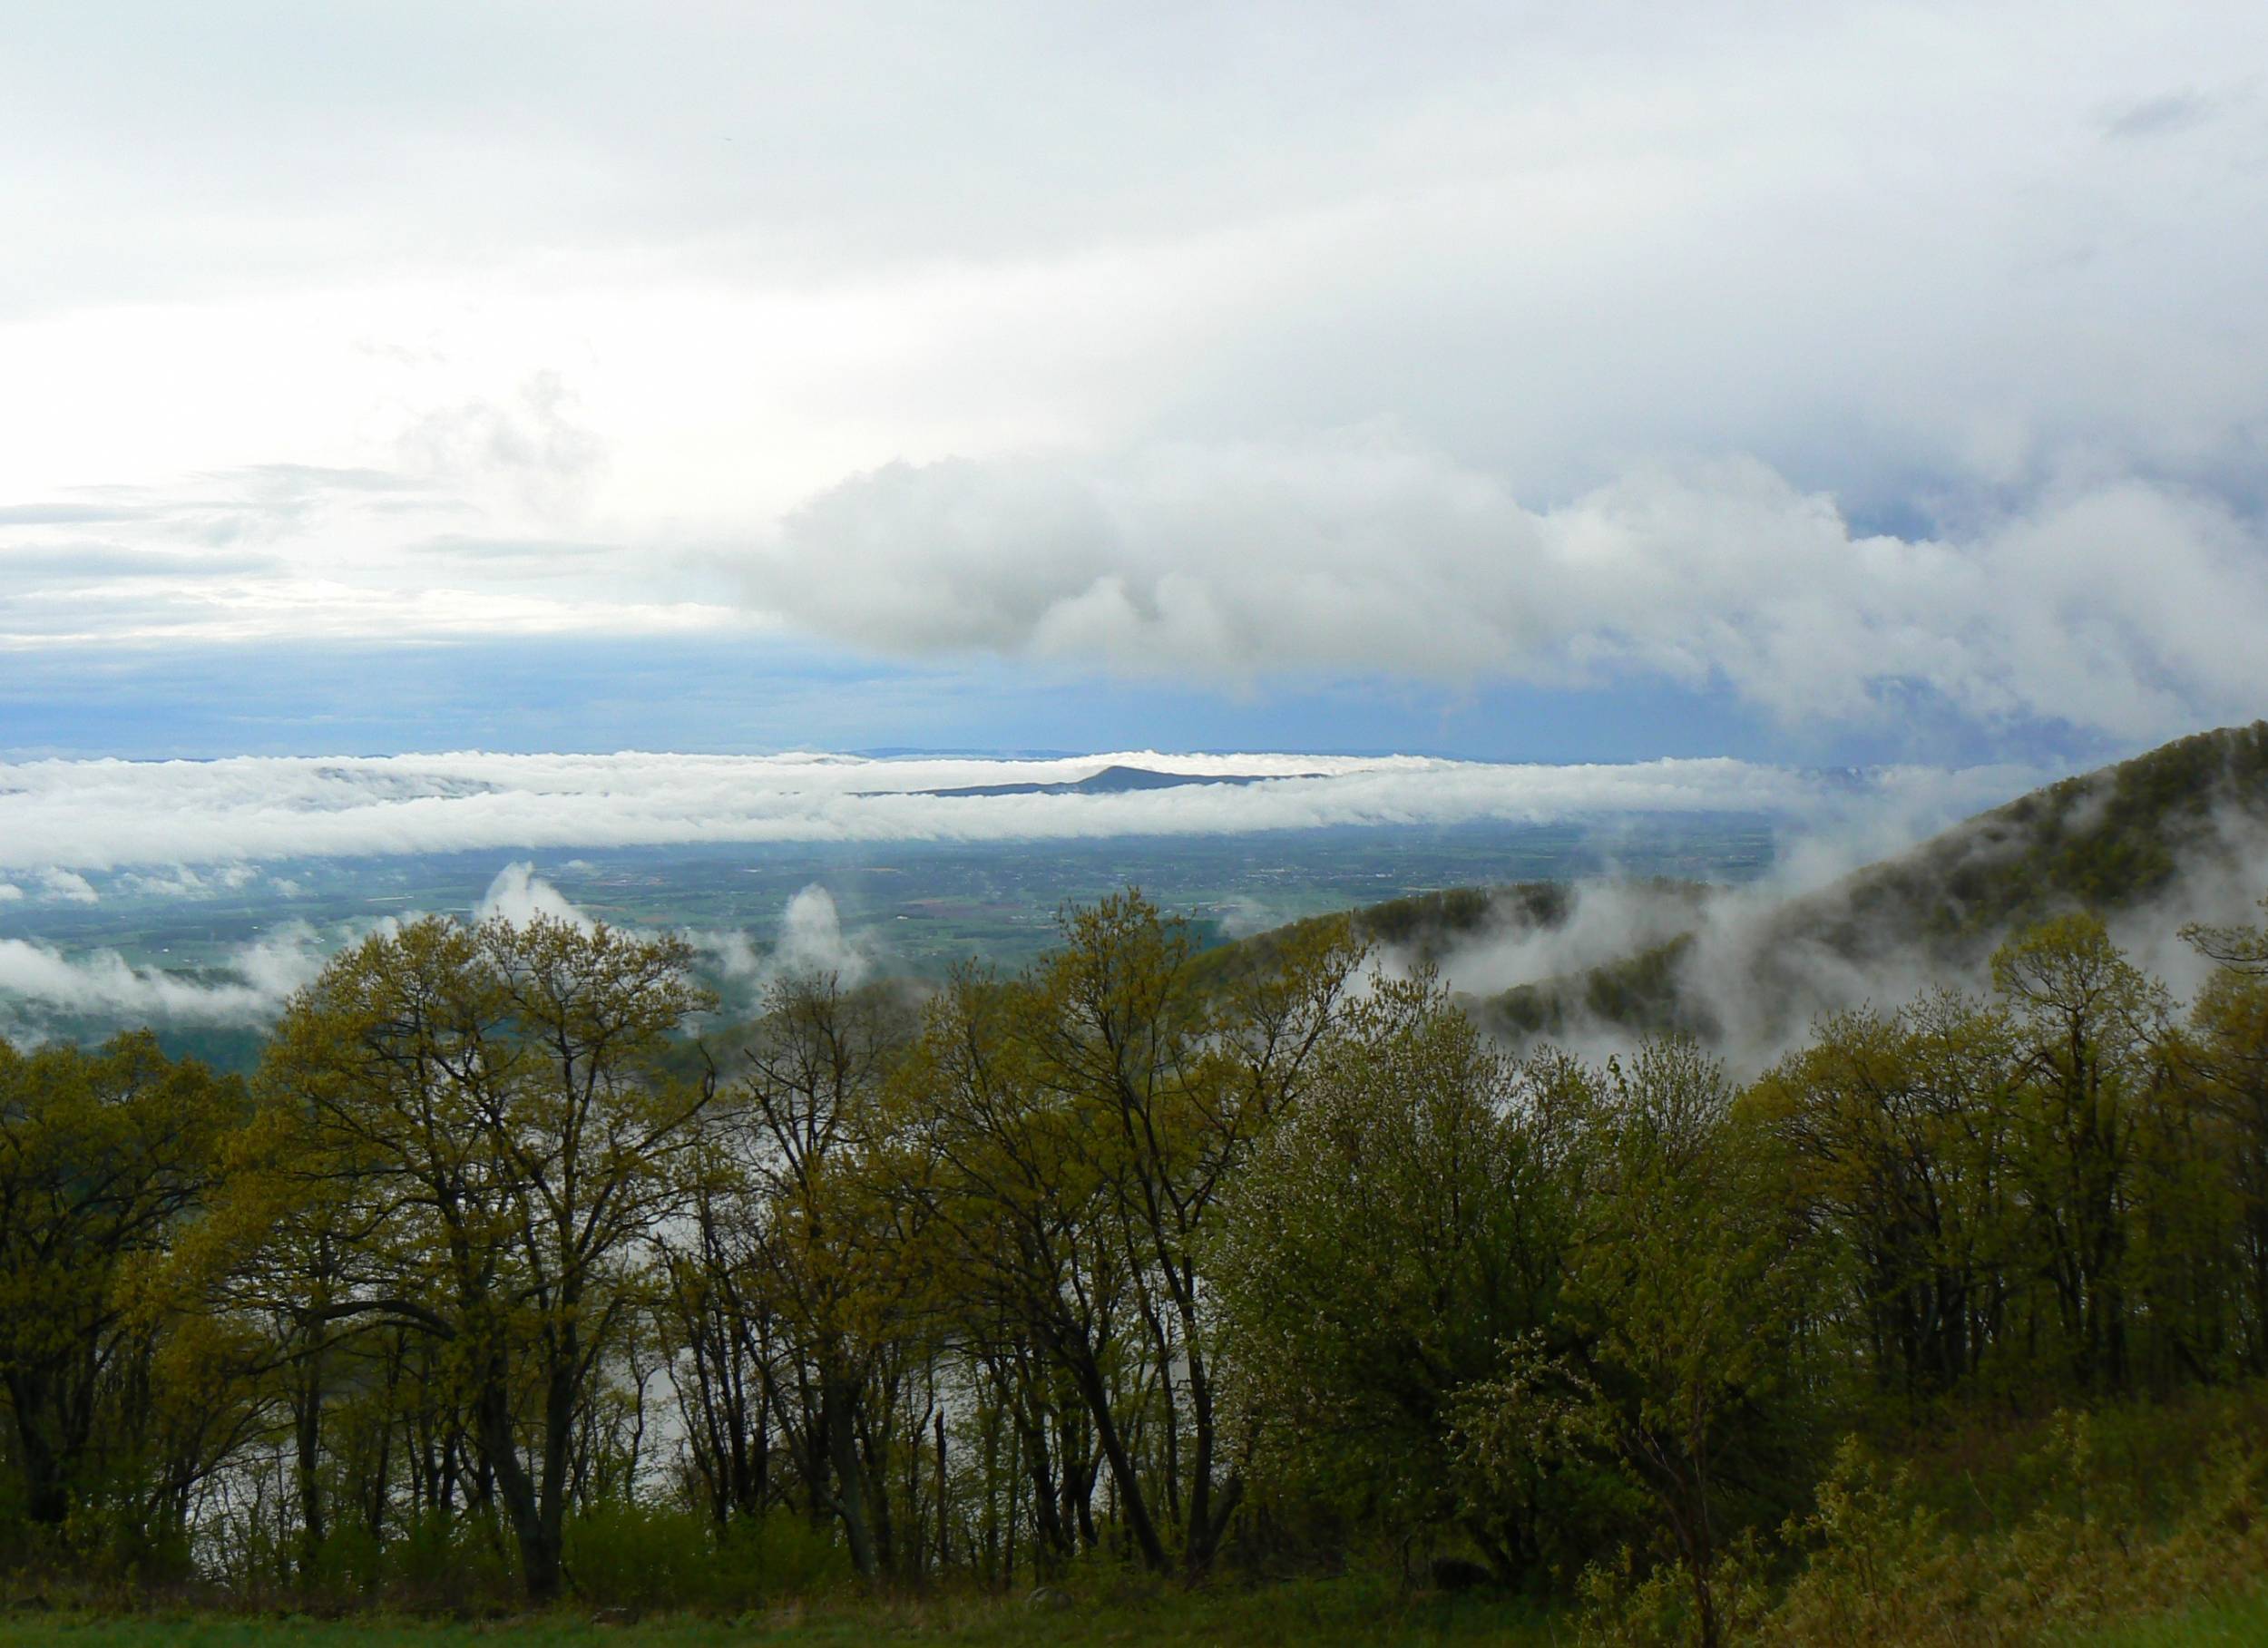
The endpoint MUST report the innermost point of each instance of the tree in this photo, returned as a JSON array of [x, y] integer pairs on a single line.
[[2227, 1052], [502, 1101], [1901, 1126], [2089, 1075], [1175, 1086], [821, 1255], [1022, 1260], [1672, 1356], [1381, 1244], [105, 1158]]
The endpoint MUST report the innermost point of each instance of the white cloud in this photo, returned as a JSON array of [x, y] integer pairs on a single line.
[[67, 887], [2130, 608], [60, 817], [247, 988], [810, 941], [179, 881], [642, 290], [518, 895], [10, 893]]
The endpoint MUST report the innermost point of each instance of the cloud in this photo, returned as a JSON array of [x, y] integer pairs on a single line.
[[68, 887], [1180, 249], [532, 442], [247, 987], [1769, 957], [810, 941], [1366, 554], [76, 564], [2167, 113], [61, 514], [518, 896], [80, 815], [179, 881], [10, 893], [450, 545]]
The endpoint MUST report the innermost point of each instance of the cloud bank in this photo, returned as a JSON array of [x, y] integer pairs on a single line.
[[247, 988], [2127, 606], [61, 819], [1842, 355]]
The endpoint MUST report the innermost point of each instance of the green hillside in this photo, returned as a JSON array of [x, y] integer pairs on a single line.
[[2110, 841], [1427, 927]]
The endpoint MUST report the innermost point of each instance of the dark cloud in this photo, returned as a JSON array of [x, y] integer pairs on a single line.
[[2158, 116]]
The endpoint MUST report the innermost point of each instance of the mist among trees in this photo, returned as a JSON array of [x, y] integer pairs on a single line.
[[514, 1272]]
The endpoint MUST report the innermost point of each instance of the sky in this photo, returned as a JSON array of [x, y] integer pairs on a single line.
[[1800, 383]]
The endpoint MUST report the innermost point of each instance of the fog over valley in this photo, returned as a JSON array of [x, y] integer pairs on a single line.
[[205, 892]]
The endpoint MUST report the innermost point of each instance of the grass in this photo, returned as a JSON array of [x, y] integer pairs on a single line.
[[1330, 1613], [2236, 1620], [1321, 1613]]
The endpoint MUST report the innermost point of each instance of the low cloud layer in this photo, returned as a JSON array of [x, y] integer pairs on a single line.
[[518, 896], [2127, 606], [809, 939], [247, 988], [1759, 973], [60, 821], [809, 942]]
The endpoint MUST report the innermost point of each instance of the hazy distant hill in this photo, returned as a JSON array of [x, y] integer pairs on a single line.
[[1115, 781], [2115, 841]]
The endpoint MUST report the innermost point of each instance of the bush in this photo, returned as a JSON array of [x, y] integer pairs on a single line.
[[627, 1555]]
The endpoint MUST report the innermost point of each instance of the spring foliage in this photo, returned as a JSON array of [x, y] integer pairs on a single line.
[[516, 1271]]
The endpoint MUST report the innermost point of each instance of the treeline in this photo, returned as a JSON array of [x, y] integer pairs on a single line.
[[512, 1270]]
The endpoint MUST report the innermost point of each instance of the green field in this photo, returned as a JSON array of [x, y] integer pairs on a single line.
[[2233, 1621]]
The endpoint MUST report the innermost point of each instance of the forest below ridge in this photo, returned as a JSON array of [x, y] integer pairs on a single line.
[[491, 1287]]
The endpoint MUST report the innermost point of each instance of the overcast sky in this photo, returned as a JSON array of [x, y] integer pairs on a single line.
[[1790, 381]]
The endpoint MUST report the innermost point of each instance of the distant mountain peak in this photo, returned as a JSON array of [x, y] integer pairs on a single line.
[[1114, 780]]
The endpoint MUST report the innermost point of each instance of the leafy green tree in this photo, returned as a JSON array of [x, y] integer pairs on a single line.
[[106, 1158], [1381, 1244], [1901, 1126], [1022, 1258], [805, 1121], [1674, 1355], [502, 1101], [2226, 1051], [1172, 1084], [2090, 1074]]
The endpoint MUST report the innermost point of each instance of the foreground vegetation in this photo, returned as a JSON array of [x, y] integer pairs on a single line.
[[1260, 1302]]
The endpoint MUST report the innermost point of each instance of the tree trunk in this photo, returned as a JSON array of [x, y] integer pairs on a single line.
[[1089, 1379], [850, 1498], [540, 1571], [308, 1435]]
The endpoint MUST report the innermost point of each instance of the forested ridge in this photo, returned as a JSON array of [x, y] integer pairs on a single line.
[[2113, 840], [514, 1276]]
